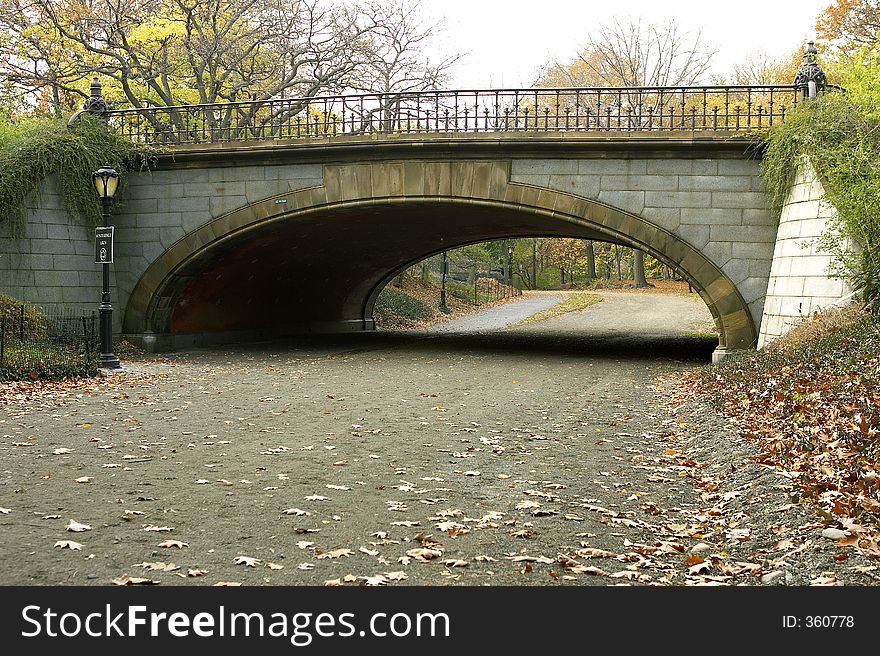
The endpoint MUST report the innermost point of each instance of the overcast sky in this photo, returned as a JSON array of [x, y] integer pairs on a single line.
[[509, 39]]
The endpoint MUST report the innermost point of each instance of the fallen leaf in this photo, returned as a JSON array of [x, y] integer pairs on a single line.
[[585, 569], [834, 533], [424, 554], [334, 553], [396, 576], [247, 560], [125, 579], [76, 527], [530, 559], [158, 566], [700, 567]]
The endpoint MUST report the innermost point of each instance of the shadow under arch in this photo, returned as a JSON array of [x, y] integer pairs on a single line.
[[264, 269]]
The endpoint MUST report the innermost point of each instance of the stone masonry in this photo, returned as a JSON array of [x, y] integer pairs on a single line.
[[53, 262], [719, 206], [799, 283], [716, 206]]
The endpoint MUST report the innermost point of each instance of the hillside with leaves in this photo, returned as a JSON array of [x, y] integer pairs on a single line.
[[812, 404]]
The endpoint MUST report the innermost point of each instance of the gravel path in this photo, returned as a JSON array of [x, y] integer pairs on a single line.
[[498, 317], [540, 455], [621, 315]]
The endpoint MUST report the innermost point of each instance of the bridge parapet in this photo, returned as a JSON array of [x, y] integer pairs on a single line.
[[459, 112]]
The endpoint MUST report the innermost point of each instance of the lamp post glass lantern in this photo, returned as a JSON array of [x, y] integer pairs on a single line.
[[106, 181]]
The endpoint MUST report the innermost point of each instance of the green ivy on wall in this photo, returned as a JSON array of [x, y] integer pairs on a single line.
[[32, 150], [840, 137]]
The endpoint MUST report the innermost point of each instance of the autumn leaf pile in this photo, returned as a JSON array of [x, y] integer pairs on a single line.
[[811, 402]]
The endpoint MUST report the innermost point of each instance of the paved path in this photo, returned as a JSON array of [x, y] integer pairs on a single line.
[[537, 455], [628, 315], [498, 317]]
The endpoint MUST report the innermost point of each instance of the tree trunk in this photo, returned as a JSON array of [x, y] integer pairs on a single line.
[[534, 263], [617, 258], [639, 269], [591, 260]]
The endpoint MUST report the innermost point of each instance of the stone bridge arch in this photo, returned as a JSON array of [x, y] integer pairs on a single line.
[[236, 273]]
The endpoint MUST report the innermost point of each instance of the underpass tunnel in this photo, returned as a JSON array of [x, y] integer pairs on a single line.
[[321, 271], [306, 273]]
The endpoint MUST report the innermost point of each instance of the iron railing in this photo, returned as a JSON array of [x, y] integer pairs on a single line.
[[47, 343], [636, 109]]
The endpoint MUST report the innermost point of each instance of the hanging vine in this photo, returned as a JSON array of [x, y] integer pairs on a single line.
[[33, 150]]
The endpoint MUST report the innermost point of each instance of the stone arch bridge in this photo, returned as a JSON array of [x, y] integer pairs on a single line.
[[229, 238]]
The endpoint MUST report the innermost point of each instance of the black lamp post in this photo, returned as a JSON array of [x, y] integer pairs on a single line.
[[510, 264], [443, 269], [106, 181]]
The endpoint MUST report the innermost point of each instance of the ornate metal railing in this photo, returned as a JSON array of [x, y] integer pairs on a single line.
[[638, 109]]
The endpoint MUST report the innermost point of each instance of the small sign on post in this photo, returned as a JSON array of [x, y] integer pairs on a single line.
[[104, 245]]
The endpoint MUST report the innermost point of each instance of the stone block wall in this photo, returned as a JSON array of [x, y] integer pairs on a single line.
[[799, 283], [719, 206], [53, 262], [159, 207]]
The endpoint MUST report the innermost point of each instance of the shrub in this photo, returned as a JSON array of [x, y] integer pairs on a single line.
[[35, 344], [395, 306]]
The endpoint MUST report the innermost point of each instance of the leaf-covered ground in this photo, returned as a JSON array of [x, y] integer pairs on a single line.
[[551, 454], [811, 405]]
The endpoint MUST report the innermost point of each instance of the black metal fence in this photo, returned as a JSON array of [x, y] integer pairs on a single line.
[[54, 343], [485, 289], [649, 109]]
